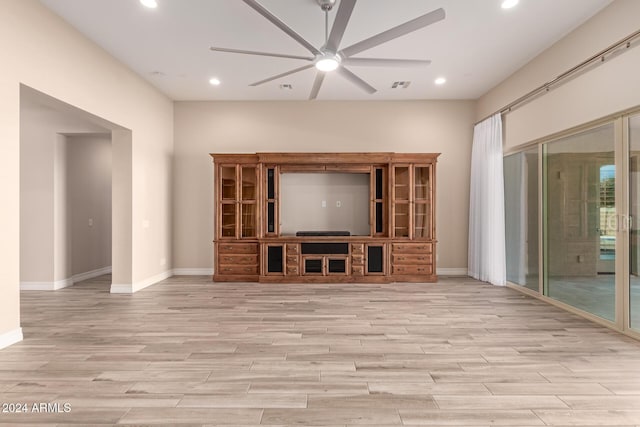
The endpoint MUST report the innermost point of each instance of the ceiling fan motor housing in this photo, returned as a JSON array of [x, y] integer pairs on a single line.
[[326, 5]]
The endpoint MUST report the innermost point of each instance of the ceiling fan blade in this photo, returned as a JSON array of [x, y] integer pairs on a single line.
[[284, 27], [317, 83], [381, 62], [251, 52], [356, 80], [340, 24], [282, 75], [395, 32]]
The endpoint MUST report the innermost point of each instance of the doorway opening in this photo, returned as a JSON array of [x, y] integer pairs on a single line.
[[70, 197]]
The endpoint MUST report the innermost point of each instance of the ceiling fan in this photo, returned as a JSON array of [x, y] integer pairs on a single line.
[[330, 57]]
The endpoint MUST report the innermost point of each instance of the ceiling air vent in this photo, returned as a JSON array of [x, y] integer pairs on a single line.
[[400, 84], [286, 86]]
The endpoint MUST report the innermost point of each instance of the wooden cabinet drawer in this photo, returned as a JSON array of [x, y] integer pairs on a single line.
[[292, 270], [292, 260], [412, 248], [357, 270], [357, 259], [419, 259], [292, 249], [224, 259], [411, 269], [357, 248], [238, 248], [247, 269]]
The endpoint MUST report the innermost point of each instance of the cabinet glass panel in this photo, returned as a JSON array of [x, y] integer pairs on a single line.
[[379, 184], [228, 181], [275, 259], [337, 266], [249, 181], [402, 220], [271, 217], [228, 220], [379, 218], [313, 266], [401, 185], [421, 183], [271, 184], [422, 228], [375, 259], [249, 220]]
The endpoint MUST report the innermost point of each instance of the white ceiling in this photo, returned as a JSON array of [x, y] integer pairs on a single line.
[[477, 46]]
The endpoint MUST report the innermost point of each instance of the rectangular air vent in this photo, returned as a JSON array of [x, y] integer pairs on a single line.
[[286, 86], [400, 84]]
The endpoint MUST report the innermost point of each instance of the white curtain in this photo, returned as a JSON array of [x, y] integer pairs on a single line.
[[486, 207]]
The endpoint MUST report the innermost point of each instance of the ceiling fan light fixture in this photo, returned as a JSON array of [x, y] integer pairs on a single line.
[[151, 4], [327, 62], [508, 4]]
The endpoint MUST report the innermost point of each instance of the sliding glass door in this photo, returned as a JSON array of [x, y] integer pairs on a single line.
[[634, 228], [521, 218], [572, 213], [581, 221]]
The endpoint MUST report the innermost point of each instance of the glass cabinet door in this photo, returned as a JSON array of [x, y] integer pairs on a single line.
[[422, 201], [401, 193], [248, 218], [228, 182], [228, 220]]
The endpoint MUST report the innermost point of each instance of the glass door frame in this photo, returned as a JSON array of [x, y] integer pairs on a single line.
[[622, 322]]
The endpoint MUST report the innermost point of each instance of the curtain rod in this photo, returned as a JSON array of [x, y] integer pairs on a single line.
[[600, 56]]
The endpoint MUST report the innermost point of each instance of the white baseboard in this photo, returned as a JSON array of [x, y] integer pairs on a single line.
[[10, 338], [192, 271], [64, 283], [91, 274], [135, 287], [452, 271], [46, 286]]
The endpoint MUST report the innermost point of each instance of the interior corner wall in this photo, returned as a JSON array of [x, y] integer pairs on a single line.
[[326, 126], [598, 92], [45, 53]]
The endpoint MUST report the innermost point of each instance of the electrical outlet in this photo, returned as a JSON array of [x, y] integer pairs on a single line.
[[90, 222], [324, 203], [338, 203]]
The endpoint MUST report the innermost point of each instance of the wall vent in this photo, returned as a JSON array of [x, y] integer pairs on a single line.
[[286, 86], [400, 84]]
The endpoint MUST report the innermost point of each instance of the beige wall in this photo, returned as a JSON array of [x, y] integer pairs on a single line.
[[45, 255], [43, 52], [598, 92], [89, 199], [246, 127]]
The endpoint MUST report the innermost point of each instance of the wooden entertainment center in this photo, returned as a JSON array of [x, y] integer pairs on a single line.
[[400, 246]]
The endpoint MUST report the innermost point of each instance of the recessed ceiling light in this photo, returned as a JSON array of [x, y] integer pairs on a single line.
[[508, 4], [151, 4], [440, 81], [214, 81]]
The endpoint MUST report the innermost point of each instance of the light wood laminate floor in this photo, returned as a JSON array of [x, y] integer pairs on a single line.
[[189, 351]]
